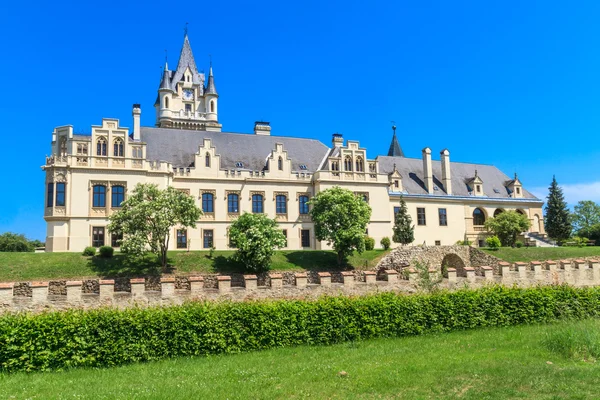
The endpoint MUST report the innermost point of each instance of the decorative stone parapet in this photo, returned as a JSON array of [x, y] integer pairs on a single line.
[[370, 277], [452, 275], [348, 278], [106, 288], [470, 271], [6, 292], [138, 287], [412, 275], [504, 268], [325, 278], [196, 284], [551, 265], [537, 267], [167, 287], [565, 264], [276, 281], [250, 282], [521, 268], [39, 291], [301, 279], [488, 272], [74, 291], [391, 275], [224, 283], [580, 264]]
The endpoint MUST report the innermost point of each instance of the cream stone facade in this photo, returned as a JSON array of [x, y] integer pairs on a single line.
[[88, 176]]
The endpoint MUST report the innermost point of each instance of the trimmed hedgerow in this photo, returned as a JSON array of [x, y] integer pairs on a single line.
[[109, 337]]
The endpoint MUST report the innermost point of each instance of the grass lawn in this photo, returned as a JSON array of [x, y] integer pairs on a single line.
[[48, 266], [501, 363], [544, 253]]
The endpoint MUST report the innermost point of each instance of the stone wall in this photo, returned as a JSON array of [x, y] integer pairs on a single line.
[[432, 256]]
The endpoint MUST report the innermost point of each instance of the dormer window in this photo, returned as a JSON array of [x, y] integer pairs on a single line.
[[396, 183], [518, 190], [303, 167], [239, 164], [478, 188]]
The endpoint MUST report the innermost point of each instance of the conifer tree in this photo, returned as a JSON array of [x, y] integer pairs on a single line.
[[557, 218], [404, 230]]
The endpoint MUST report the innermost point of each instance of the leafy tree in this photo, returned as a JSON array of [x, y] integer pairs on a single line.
[[404, 230], [585, 214], [147, 217], [255, 236], [592, 233], [556, 220], [14, 242], [507, 226], [340, 218]]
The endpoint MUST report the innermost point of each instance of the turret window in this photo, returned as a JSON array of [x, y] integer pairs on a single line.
[[348, 163], [50, 195], [118, 148], [188, 108], [207, 160], [166, 102], [60, 194], [360, 165], [212, 106], [101, 147]]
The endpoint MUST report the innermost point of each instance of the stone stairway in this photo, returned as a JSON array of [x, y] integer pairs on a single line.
[[539, 239]]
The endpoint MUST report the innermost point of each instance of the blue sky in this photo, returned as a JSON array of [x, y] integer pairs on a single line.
[[515, 84]]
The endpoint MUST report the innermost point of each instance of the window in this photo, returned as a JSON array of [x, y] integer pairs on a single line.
[[182, 238], [303, 200], [421, 216], [478, 217], [82, 149], [372, 168], [443, 217], [212, 106], [63, 146], [396, 183], [305, 238], [348, 163], [116, 239], [188, 108], [498, 212], [438, 242], [280, 163], [396, 210], [360, 165], [284, 231], [101, 147], [207, 160], [99, 196], [118, 148], [481, 243], [518, 190], [207, 237], [118, 195], [136, 152], [257, 203], [166, 102], [208, 203], [478, 188], [335, 166], [281, 204], [303, 167], [98, 236], [239, 164], [60, 194], [50, 195], [233, 202]]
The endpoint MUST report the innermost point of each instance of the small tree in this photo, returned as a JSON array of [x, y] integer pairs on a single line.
[[585, 214], [147, 217], [385, 243], [255, 236], [557, 221], [507, 226], [404, 230], [493, 242], [340, 218]]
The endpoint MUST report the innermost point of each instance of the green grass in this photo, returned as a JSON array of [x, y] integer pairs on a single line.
[[544, 253], [48, 266], [502, 363]]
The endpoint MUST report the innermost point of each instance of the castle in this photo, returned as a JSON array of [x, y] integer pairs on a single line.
[[89, 176]]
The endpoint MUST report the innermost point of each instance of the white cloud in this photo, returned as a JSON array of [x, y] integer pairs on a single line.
[[573, 192]]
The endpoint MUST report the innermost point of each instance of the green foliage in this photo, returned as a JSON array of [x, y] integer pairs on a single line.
[[464, 242], [427, 281], [255, 236], [576, 241], [493, 242], [340, 218], [585, 214], [148, 216], [385, 243], [404, 230], [507, 226], [580, 342], [110, 337], [557, 219], [592, 233], [14, 242], [89, 251], [518, 244], [106, 251], [369, 243]]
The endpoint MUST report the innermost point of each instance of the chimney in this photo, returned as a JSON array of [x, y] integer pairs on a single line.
[[137, 111], [427, 172], [337, 140], [262, 128], [446, 177]]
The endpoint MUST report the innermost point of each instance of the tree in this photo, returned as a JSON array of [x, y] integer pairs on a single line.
[[507, 226], [404, 230], [585, 214], [255, 236], [591, 232], [14, 242], [556, 220], [340, 218], [147, 217]]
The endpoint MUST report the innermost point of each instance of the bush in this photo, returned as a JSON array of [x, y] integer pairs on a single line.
[[13, 242], [385, 243], [369, 243], [493, 243], [109, 337], [89, 251], [518, 244], [463, 243], [106, 251]]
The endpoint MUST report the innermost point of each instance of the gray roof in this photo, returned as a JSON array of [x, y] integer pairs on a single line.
[[186, 59], [210, 86], [179, 146], [411, 170], [395, 149]]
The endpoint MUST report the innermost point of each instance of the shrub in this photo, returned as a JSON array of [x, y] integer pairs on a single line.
[[518, 244], [89, 251], [464, 243], [106, 251], [13, 242], [493, 242], [369, 243], [385, 243]]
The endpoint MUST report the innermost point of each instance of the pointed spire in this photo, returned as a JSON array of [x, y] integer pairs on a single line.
[[186, 60], [395, 149], [165, 82], [210, 86]]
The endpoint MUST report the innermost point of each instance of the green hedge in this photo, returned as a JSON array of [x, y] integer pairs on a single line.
[[109, 337]]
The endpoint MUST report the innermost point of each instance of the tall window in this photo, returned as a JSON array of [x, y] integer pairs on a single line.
[[335, 166], [118, 148], [443, 217], [360, 165], [396, 210], [50, 195], [396, 183], [478, 217], [207, 160], [182, 238], [348, 163], [281, 204], [101, 147], [208, 203], [498, 212], [212, 106], [99, 196], [117, 195], [233, 203], [82, 149], [421, 216], [257, 203], [116, 239], [280, 163], [372, 168], [284, 231], [166, 102], [305, 238], [63, 146], [303, 204], [136, 152], [60, 194], [188, 108], [207, 237], [98, 236]]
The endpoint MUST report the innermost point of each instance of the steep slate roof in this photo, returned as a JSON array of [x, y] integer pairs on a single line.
[[179, 146], [186, 59], [210, 86], [411, 170], [395, 149]]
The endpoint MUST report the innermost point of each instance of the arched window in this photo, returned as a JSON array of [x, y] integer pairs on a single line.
[[101, 147], [303, 205], [521, 212], [212, 106], [117, 196], [99, 196], [280, 163], [63, 146], [233, 203], [335, 166], [208, 203], [166, 102], [498, 212], [360, 165], [207, 159], [348, 163], [281, 204], [118, 148], [478, 217], [257, 203]]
